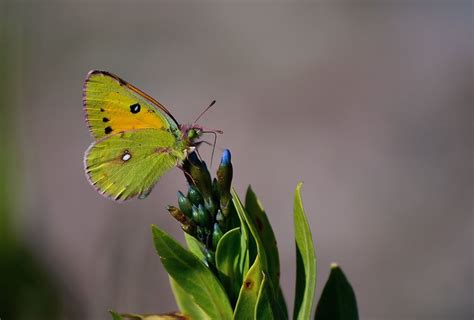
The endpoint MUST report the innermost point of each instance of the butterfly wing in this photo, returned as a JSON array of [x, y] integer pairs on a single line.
[[112, 105], [128, 164]]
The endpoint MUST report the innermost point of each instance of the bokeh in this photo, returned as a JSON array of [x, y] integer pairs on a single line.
[[370, 103]]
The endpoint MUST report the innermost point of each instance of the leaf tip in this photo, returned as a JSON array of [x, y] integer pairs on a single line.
[[299, 185]]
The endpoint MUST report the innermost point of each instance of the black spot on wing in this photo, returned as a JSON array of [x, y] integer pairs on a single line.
[[135, 108], [105, 119], [108, 130]]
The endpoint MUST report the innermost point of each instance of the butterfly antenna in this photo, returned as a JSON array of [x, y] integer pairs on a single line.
[[205, 110]]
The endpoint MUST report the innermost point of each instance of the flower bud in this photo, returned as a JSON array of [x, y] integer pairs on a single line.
[[210, 206], [185, 205], [219, 216], [224, 180], [186, 224], [225, 158], [194, 195], [200, 177], [200, 215], [215, 189], [210, 258], [216, 235], [200, 234]]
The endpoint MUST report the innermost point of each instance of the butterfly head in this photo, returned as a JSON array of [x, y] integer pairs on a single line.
[[192, 132]]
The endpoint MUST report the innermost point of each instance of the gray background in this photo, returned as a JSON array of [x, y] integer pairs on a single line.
[[369, 103]]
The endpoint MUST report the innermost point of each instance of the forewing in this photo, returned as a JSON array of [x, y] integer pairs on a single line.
[[112, 105], [128, 164]]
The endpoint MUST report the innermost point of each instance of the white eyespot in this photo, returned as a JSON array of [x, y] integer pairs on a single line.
[[126, 156]]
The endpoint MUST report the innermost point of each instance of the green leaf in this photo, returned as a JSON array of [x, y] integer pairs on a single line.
[[245, 240], [195, 246], [227, 262], [264, 308], [245, 218], [305, 261], [338, 301], [248, 296], [186, 303], [115, 315], [255, 209], [192, 276]]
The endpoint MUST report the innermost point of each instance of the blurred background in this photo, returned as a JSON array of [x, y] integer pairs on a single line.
[[369, 103]]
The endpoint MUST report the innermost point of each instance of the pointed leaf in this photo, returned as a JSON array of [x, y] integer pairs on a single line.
[[194, 246], [264, 308], [338, 301], [278, 309], [305, 261], [186, 303], [192, 276], [245, 258], [246, 220], [115, 315], [248, 296], [255, 209], [227, 262]]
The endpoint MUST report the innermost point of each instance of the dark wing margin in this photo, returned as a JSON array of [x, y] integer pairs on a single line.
[[124, 83]]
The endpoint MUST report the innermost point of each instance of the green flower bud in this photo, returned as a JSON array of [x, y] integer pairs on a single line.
[[194, 195], [198, 175], [210, 206], [216, 235], [210, 257], [200, 215], [185, 205], [200, 234], [215, 189]]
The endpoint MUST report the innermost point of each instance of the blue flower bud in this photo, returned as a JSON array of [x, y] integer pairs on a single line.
[[224, 181], [225, 158]]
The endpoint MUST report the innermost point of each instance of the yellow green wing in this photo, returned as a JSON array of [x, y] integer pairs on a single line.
[[112, 105], [128, 164]]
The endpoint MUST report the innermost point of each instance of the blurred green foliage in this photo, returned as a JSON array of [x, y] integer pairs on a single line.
[[26, 289]]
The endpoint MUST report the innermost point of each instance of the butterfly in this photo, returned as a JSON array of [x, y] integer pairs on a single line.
[[137, 140]]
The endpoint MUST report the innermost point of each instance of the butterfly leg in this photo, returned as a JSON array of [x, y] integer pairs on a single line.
[[188, 176]]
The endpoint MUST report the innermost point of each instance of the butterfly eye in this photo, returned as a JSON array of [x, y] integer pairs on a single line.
[[192, 133]]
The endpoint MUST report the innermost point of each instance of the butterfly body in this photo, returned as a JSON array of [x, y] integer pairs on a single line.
[[137, 138]]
